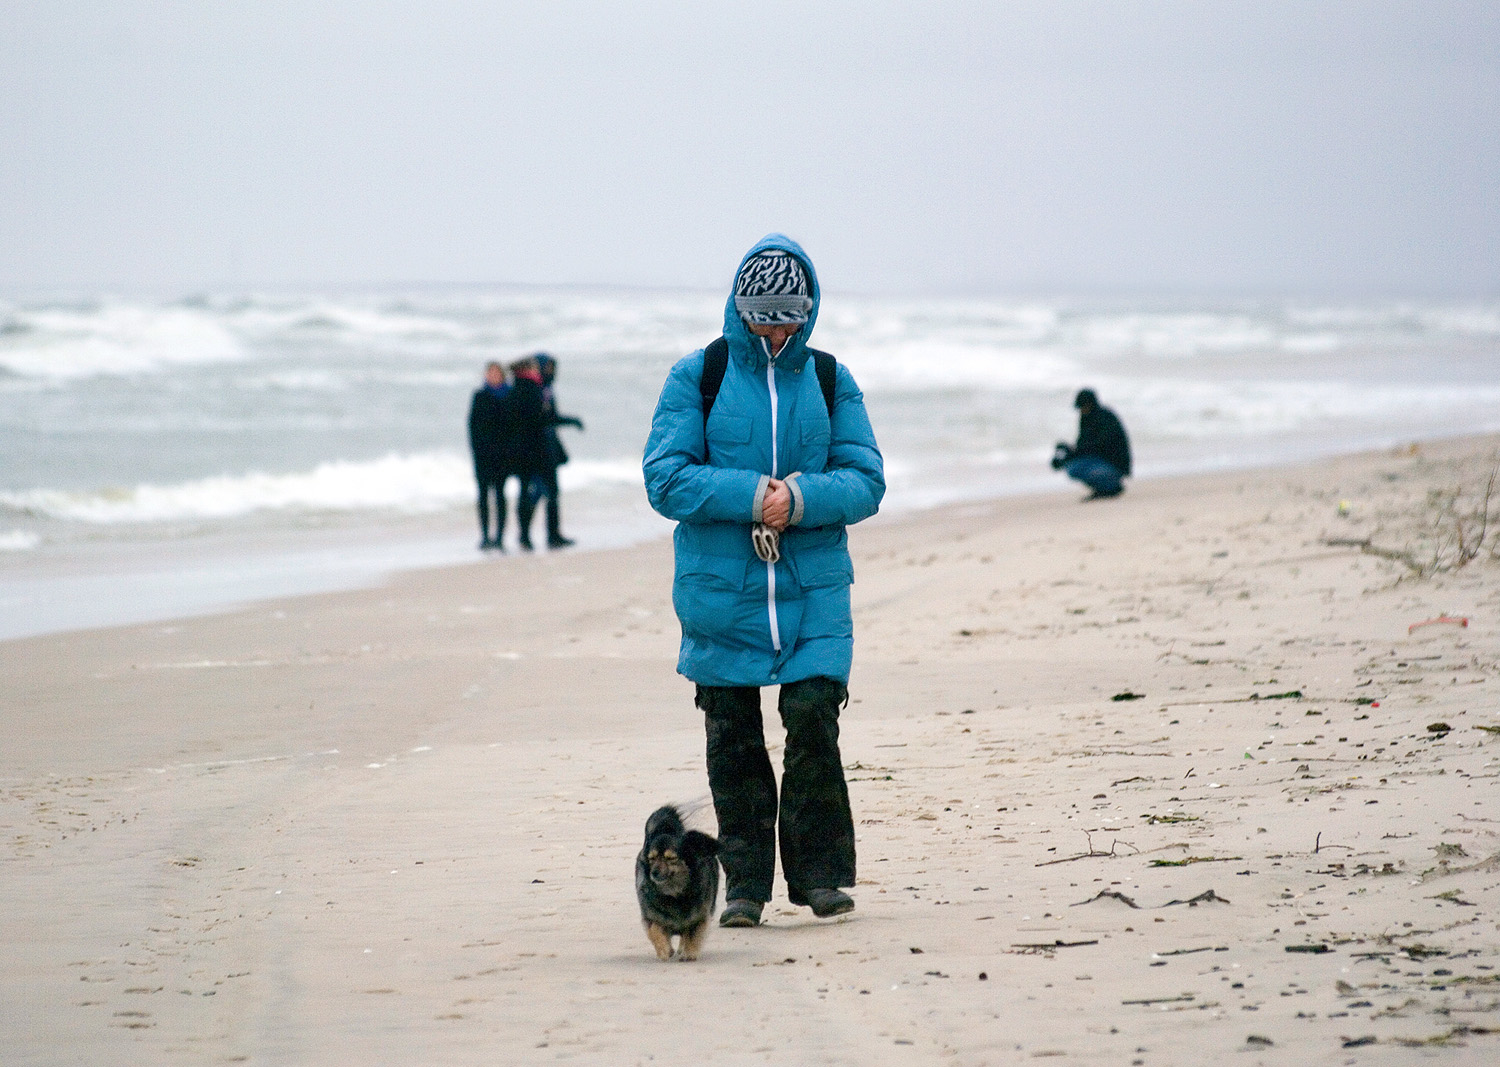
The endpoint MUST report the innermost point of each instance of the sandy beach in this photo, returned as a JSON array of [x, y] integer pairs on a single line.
[[1211, 768]]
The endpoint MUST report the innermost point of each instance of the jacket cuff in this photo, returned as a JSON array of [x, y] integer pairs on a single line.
[[791, 483], [757, 507]]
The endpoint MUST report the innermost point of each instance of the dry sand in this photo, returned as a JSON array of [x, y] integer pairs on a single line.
[[397, 826]]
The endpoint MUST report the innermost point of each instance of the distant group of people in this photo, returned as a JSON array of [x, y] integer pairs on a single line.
[[513, 425]]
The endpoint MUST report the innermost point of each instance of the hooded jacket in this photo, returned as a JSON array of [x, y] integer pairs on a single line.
[[1101, 435], [525, 441], [746, 622]]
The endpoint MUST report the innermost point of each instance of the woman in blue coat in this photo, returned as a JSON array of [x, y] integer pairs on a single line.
[[762, 485]]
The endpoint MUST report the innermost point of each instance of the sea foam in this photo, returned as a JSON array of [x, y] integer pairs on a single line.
[[61, 343], [424, 482]]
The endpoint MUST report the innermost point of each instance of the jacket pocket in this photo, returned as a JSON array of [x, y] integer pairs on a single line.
[[708, 594], [711, 572], [818, 570], [728, 430]]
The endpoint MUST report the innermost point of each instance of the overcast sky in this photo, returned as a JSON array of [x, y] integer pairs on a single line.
[[1303, 146]]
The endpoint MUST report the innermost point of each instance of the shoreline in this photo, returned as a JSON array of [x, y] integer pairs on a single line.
[[1158, 778], [128, 583]]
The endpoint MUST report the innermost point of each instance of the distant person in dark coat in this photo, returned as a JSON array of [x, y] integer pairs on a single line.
[[546, 485], [527, 454], [1102, 455], [487, 434]]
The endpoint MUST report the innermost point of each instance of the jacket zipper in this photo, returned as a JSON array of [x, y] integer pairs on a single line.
[[771, 567]]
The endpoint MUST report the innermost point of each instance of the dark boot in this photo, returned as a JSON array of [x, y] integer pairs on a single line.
[[484, 512], [741, 913], [555, 538], [744, 790], [817, 827], [825, 903], [525, 509]]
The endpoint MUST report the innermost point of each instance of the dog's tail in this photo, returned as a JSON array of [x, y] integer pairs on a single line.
[[664, 820]]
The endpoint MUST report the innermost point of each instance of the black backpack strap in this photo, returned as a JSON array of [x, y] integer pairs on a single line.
[[715, 363], [828, 376]]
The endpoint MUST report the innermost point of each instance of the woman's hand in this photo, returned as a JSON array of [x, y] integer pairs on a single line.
[[776, 509]]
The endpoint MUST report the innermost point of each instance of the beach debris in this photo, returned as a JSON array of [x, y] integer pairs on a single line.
[[1208, 896], [1319, 846], [1032, 947], [1422, 952], [1343, 988], [1107, 894], [1256, 1041], [1439, 728], [1357, 1042], [1163, 1000], [1127, 695], [983, 977], [1139, 778], [1091, 853], [1191, 951], [1489, 729], [1315, 949], [1152, 820], [1443, 848], [1290, 694], [1441, 620], [1189, 860], [1452, 897], [915, 951], [1445, 1039]]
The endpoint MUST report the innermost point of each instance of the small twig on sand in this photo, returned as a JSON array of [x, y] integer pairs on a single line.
[[1092, 853], [1318, 844], [1208, 896], [1047, 947], [1108, 894]]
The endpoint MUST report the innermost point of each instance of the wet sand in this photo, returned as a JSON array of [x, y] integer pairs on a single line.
[[1141, 781]]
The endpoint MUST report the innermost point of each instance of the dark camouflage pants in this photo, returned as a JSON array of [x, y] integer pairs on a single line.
[[816, 828]]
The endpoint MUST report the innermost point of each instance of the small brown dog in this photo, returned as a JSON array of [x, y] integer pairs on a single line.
[[676, 883]]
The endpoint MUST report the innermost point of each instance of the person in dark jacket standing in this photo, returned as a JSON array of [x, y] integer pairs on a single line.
[[487, 434], [527, 454], [762, 479], [1102, 455], [546, 485]]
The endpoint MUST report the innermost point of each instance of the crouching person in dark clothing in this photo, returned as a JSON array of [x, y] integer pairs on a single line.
[[763, 461], [1102, 455]]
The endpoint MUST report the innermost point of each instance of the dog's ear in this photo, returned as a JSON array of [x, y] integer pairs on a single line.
[[697, 843]]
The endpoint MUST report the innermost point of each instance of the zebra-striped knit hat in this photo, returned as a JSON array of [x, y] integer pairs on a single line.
[[773, 290]]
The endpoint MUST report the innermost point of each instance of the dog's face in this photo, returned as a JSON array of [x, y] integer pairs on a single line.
[[670, 872]]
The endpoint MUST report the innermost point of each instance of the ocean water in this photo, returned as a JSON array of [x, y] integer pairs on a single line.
[[164, 457]]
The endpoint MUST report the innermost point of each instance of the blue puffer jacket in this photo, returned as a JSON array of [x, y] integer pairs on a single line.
[[746, 622]]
